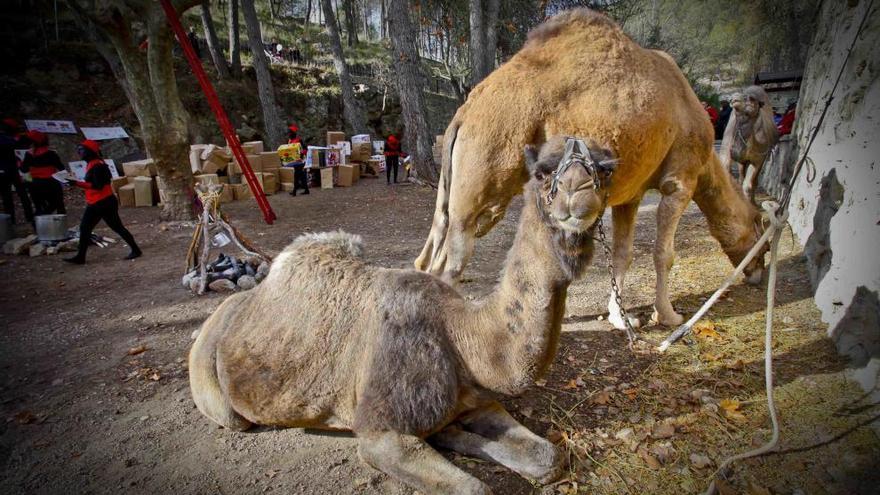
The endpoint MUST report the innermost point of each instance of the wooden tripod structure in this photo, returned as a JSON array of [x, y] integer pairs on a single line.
[[213, 219]]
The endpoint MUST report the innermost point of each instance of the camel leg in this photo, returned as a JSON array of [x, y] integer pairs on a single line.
[[409, 459], [750, 181], [455, 252], [624, 219], [494, 435], [676, 196]]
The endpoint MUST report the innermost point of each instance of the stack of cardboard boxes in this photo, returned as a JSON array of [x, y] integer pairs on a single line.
[[212, 164]]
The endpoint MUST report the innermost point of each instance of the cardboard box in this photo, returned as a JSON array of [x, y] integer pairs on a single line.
[[258, 175], [327, 178], [143, 191], [361, 148], [270, 161], [334, 137], [240, 191], [215, 163], [345, 176], [207, 179], [139, 168], [255, 162], [226, 194], [252, 147], [195, 158], [270, 183], [287, 186], [117, 183], [285, 174], [289, 153], [126, 195]]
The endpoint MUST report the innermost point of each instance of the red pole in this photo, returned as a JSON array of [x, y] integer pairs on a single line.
[[219, 113]]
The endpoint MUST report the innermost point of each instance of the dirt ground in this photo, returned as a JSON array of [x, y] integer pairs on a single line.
[[80, 415]]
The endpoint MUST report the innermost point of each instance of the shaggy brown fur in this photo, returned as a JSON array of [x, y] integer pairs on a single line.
[[749, 136], [397, 356], [580, 75]]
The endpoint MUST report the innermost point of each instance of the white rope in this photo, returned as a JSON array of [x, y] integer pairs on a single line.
[[776, 226]]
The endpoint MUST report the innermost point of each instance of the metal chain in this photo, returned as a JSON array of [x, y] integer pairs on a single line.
[[615, 290]]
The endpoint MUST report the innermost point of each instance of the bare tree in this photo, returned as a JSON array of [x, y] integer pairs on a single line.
[[491, 36], [145, 71], [410, 81], [350, 22], [213, 43], [234, 40], [271, 116], [353, 114]]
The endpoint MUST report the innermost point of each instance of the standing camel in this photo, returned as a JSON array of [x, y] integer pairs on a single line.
[[748, 137], [398, 356], [580, 75]]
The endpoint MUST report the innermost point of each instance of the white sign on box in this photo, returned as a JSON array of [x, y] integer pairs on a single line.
[[78, 169], [103, 133], [51, 126]]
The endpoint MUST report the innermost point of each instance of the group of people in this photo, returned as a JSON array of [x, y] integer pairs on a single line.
[[41, 193], [392, 152]]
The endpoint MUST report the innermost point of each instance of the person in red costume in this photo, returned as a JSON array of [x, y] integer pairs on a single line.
[[392, 157], [300, 177], [787, 123], [41, 162], [101, 203], [713, 114]]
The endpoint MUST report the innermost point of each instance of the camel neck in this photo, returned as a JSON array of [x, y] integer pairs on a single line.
[[513, 333]]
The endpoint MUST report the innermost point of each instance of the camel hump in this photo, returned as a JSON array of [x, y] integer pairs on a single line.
[[574, 18], [335, 245]]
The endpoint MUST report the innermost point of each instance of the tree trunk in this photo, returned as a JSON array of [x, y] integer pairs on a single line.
[[350, 24], [213, 44], [353, 114], [271, 116], [308, 16], [234, 40], [491, 27], [410, 82], [477, 42], [366, 12], [150, 84], [383, 32]]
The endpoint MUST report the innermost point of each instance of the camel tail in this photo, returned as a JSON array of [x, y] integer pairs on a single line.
[[203, 373], [440, 224]]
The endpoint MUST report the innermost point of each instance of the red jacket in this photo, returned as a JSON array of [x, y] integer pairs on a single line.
[[97, 182], [713, 114], [41, 163], [787, 123], [392, 147]]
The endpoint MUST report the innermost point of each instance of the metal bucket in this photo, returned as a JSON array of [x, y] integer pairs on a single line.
[[6, 230], [51, 227]]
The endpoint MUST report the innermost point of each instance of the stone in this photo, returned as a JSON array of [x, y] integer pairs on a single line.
[[246, 282], [37, 249], [194, 284], [259, 277], [52, 250], [19, 246], [186, 279], [222, 285], [263, 269], [68, 246]]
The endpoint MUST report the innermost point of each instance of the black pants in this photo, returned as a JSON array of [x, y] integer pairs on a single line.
[[300, 178], [108, 210], [6, 185], [391, 163], [48, 196]]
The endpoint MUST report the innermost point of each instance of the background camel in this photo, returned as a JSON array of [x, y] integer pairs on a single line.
[[327, 341], [749, 136], [580, 75]]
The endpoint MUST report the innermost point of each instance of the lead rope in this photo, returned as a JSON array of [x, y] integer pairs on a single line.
[[615, 290]]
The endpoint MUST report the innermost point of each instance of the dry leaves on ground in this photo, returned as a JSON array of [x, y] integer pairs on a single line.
[[731, 409], [705, 329]]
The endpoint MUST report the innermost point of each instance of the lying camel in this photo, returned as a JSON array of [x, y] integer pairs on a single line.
[[398, 356], [580, 75], [749, 136]]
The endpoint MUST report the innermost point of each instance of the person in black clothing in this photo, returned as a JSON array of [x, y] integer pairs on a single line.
[[392, 157], [723, 118], [9, 176], [41, 162], [101, 203]]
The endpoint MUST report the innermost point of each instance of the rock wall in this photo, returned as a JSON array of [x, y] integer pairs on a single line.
[[835, 208]]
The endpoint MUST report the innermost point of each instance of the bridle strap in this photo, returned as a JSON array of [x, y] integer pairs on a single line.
[[576, 153]]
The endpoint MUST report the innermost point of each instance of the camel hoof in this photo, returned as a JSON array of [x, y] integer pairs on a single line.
[[672, 320]]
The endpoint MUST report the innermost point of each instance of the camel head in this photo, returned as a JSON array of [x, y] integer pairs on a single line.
[[753, 127], [569, 183]]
